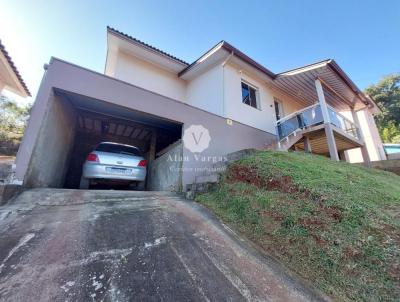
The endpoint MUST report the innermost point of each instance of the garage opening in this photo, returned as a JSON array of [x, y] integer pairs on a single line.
[[83, 123]]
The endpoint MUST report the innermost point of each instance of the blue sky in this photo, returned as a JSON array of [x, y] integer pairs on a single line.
[[362, 36]]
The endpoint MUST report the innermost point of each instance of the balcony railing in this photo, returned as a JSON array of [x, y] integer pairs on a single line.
[[304, 118], [312, 116], [343, 123]]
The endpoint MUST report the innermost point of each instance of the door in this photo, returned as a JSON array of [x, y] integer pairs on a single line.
[[278, 109]]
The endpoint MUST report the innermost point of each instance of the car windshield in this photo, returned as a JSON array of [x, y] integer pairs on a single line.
[[119, 149]]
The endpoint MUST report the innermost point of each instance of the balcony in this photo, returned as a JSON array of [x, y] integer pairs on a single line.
[[307, 126], [312, 116]]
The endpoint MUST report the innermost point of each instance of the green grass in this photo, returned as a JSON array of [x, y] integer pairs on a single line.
[[335, 224]]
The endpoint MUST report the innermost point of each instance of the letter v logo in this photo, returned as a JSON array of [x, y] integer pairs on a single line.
[[196, 138]]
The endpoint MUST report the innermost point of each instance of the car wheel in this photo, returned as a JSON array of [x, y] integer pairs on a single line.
[[84, 184], [141, 185]]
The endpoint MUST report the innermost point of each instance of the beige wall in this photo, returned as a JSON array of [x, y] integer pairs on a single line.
[[148, 76], [371, 138], [289, 105], [217, 90], [262, 118], [55, 140], [206, 91]]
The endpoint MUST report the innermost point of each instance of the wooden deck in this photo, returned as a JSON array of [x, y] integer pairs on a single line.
[[319, 144]]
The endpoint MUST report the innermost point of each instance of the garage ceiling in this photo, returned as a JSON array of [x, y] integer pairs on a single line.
[[120, 112], [105, 125]]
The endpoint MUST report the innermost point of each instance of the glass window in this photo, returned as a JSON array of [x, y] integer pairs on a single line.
[[249, 95], [119, 149]]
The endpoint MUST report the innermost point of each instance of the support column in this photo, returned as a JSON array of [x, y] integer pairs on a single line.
[[322, 102], [331, 142], [152, 150], [364, 150], [152, 156], [328, 127], [307, 145]]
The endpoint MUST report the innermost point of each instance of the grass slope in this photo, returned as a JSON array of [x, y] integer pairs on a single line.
[[335, 224]]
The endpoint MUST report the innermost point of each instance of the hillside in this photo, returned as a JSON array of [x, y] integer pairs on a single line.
[[335, 224]]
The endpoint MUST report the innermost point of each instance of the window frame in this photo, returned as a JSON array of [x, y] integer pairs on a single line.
[[257, 94]]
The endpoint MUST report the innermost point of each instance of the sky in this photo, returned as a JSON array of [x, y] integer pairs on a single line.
[[362, 36]]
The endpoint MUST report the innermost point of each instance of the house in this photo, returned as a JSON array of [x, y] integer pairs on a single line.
[[150, 98], [10, 79]]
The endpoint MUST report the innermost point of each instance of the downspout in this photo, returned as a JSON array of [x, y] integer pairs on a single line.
[[223, 83]]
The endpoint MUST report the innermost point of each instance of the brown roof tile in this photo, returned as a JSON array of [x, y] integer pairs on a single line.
[[146, 45]]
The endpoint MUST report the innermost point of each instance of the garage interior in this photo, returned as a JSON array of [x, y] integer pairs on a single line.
[[76, 124]]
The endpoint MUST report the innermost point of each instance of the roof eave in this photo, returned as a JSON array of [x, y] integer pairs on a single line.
[[339, 71], [199, 60], [247, 59], [234, 51], [15, 71], [149, 47]]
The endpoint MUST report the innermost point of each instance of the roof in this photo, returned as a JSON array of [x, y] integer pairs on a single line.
[[233, 50], [14, 68], [337, 70], [117, 32], [329, 62]]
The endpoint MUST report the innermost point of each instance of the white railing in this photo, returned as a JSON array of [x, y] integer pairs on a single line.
[[312, 116]]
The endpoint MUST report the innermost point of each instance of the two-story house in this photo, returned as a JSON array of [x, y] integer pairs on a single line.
[[148, 97]]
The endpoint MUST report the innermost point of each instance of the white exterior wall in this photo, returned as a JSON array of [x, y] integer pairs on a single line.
[[143, 74], [289, 106], [371, 138], [206, 91], [217, 90], [262, 118]]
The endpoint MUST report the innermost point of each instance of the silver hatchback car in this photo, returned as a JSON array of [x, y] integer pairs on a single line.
[[115, 162]]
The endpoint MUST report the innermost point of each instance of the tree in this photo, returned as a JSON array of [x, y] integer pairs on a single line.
[[13, 119], [386, 94], [390, 133]]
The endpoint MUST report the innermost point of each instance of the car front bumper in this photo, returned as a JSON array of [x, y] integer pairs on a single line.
[[100, 171]]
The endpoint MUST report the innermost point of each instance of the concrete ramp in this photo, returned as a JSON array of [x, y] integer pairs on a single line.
[[77, 245]]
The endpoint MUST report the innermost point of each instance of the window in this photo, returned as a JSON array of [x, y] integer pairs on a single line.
[[249, 95], [119, 149]]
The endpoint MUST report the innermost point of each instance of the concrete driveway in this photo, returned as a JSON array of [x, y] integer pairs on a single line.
[[75, 245]]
